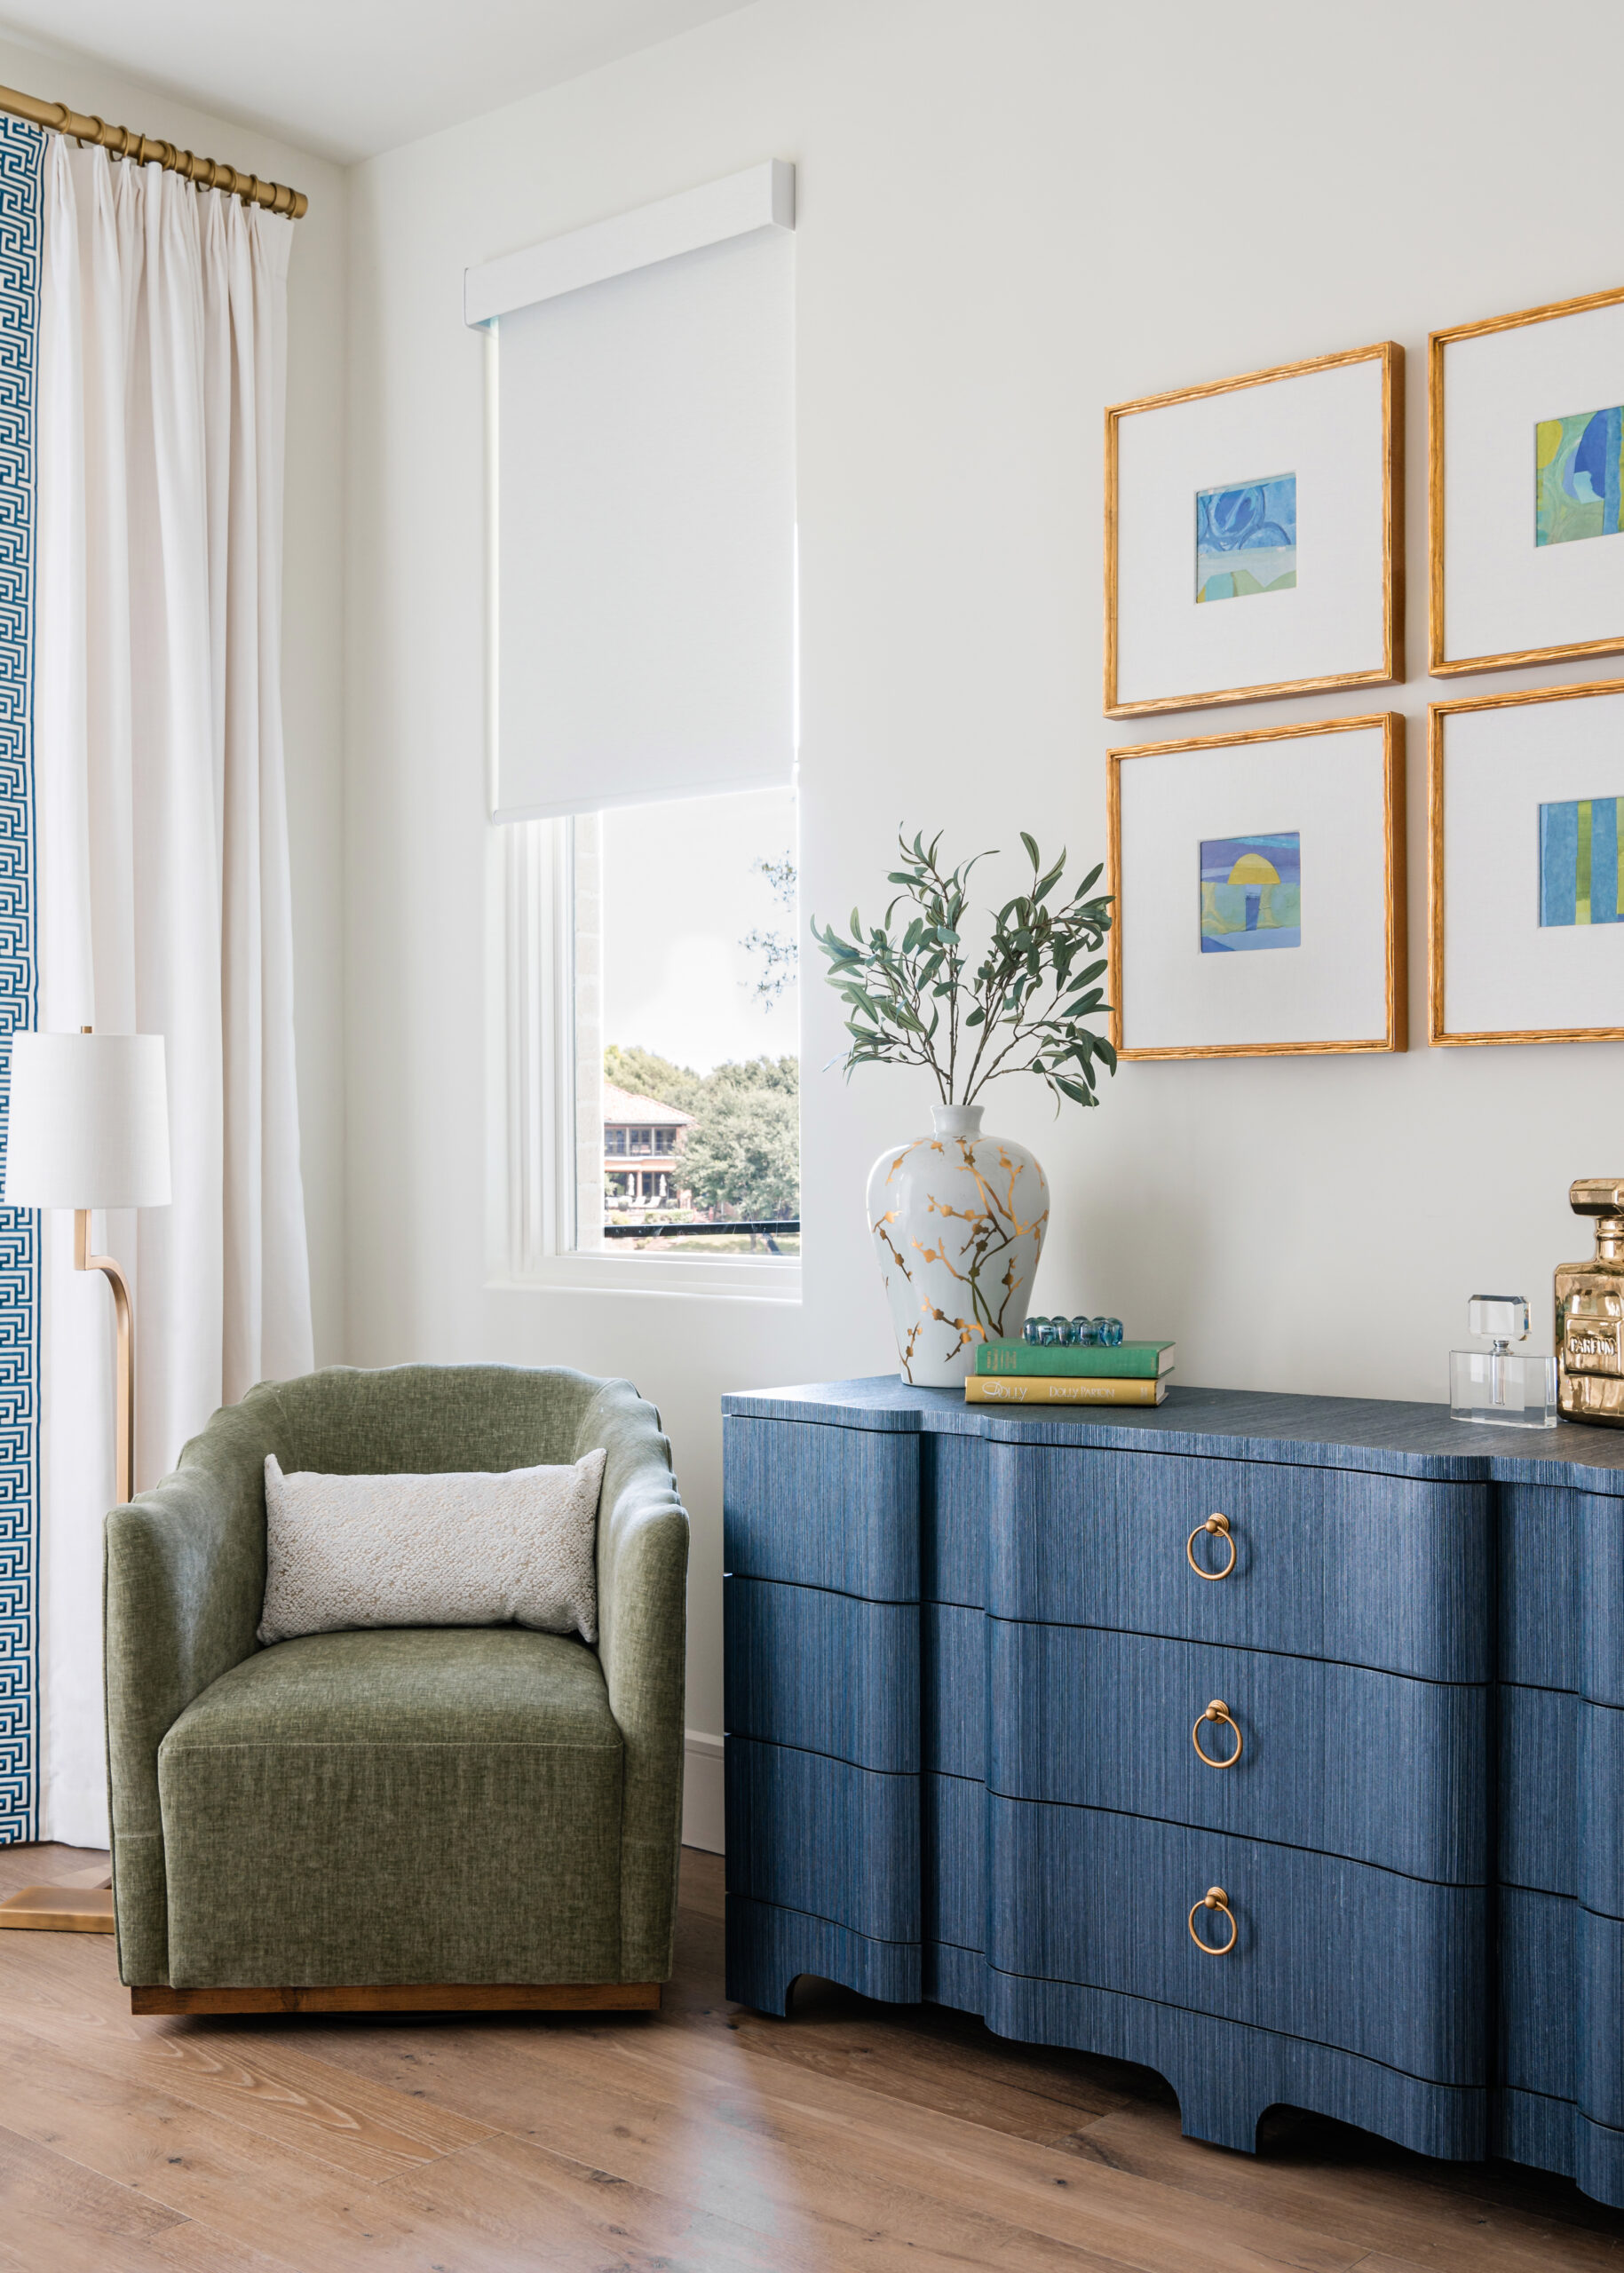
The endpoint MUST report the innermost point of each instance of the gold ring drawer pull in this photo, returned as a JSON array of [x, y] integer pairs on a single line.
[[1218, 1525], [1215, 1898], [1218, 1710]]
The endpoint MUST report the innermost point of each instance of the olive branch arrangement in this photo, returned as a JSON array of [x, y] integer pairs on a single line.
[[913, 1000]]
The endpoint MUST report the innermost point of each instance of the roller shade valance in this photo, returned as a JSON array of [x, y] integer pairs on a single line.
[[642, 494]]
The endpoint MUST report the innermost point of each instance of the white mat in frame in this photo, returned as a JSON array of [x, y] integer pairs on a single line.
[[1495, 595], [1335, 425], [1495, 970], [1337, 788]]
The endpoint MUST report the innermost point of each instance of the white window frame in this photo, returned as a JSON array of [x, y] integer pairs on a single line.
[[536, 1171]]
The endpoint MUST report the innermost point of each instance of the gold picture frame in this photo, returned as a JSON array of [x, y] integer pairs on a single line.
[[1439, 714], [1390, 356], [1440, 664], [1395, 1035]]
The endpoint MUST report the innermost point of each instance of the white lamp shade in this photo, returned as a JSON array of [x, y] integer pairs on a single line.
[[90, 1123]]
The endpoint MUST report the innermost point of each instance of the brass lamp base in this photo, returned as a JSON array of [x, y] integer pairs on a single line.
[[80, 1903]]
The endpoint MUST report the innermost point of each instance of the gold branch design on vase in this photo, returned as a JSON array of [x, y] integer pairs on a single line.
[[996, 1229]]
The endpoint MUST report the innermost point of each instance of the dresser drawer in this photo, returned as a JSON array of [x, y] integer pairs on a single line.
[[825, 1672], [1373, 1766], [1562, 1591], [1366, 1569], [952, 1837], [809, 1833], [952, 1669], [1562, 1796], [821, 1507], [1359, 1958], [1562, 2003], [952, 1502]]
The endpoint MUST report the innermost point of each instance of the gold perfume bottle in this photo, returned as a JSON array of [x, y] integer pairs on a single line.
[[1591, 1310]]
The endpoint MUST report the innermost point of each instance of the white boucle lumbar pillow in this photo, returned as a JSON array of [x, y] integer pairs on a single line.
[[473, 1550]]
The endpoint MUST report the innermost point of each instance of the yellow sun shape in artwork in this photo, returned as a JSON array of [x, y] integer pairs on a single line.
[[1252, 868]]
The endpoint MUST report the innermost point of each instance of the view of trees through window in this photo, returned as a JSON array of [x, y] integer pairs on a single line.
[[700, 1027]]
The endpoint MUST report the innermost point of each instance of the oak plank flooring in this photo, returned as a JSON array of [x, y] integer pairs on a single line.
[[874, 2183], [704, 2139], [54, 2212], [279, 2089]]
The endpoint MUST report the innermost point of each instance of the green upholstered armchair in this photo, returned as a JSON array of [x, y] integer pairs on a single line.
[[405, 1817]]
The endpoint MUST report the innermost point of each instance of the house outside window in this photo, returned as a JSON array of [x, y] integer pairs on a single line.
[[634, 1125]]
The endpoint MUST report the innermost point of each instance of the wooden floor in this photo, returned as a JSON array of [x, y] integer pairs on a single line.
[[706, 2138]]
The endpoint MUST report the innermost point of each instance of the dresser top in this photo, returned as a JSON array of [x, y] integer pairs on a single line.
[[1389, 1437]]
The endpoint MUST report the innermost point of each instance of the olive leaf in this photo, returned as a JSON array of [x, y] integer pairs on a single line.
[[913, 997]]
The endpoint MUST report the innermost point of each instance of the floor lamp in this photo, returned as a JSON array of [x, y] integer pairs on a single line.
[[88, 1128]]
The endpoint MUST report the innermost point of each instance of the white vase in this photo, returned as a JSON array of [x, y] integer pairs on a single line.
[[959, 1220]]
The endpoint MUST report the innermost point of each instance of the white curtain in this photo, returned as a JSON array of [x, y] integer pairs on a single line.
[[162, 853]]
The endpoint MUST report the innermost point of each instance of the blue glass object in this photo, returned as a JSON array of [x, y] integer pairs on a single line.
[[1082, 1332], [1032, 1331], [1108, 1333], [1053, 1333]]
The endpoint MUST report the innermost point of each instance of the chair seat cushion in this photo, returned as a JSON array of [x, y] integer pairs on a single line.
[[408, 1805]]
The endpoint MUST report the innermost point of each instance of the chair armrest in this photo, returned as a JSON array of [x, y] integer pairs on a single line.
[[183, 1588], [642, 1640]]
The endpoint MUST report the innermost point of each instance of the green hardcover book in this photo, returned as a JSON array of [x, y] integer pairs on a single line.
[[1129, 1361]]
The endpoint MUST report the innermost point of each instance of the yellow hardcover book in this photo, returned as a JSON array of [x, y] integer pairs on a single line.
[[1061, 1389]]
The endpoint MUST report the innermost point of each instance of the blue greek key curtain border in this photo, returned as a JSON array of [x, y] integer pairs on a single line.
[[22, 152]]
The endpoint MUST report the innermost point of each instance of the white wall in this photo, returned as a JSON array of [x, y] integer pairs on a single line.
[[1012, 213], [313, 601]]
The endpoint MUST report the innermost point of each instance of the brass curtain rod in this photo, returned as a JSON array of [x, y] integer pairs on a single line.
[[209, 172]]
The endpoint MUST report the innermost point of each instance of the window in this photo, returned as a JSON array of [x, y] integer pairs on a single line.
[[699, 1019], [653, 972], [640, 464]]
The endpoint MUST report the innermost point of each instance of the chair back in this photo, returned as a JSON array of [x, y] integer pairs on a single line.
[[423, 1419]]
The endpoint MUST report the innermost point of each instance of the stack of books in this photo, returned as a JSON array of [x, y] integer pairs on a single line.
[[1020, 1372]]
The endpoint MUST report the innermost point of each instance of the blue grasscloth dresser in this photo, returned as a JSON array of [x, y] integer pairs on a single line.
[[969, 1653]]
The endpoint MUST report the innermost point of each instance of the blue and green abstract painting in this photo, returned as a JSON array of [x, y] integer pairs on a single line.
[[1251, 892], [1245, 539], [1579, 861], [1576, 474]]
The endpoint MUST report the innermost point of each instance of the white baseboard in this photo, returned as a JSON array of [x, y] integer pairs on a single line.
[[704, 1813]]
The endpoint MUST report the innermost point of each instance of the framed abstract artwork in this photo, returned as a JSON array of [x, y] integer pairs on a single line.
[[1282, 490], [1526, 888], [1525, 480], [1259, 883]]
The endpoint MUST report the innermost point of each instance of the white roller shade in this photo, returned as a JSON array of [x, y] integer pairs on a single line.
[[644, 496]]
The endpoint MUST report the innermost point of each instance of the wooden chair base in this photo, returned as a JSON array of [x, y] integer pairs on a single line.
[[432, 1997]]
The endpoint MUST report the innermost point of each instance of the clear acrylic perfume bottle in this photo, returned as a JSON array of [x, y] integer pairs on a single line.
[[1501, 1384]]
